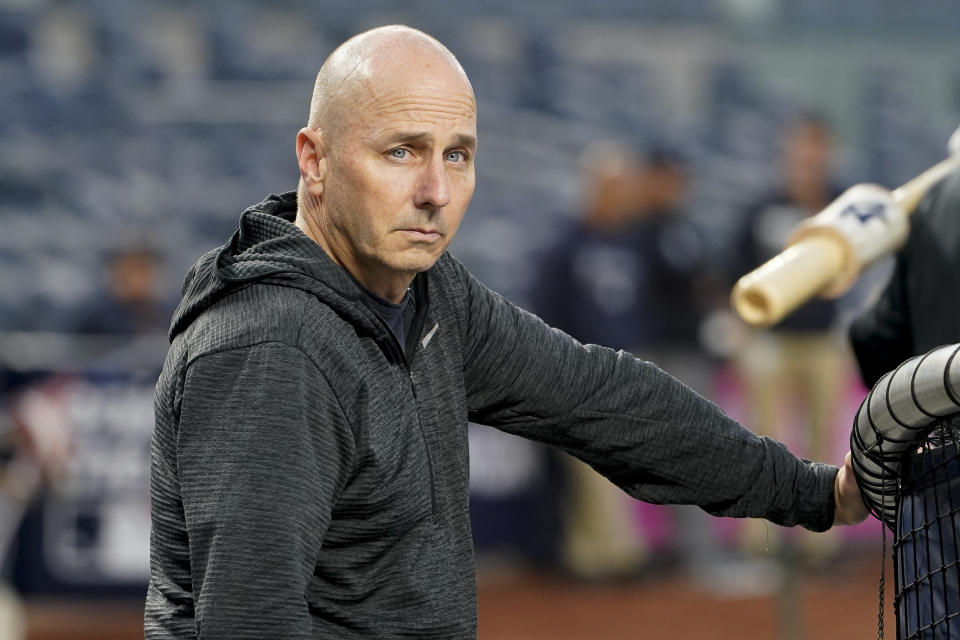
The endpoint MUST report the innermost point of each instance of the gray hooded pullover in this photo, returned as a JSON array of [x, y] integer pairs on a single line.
[[310, 480]]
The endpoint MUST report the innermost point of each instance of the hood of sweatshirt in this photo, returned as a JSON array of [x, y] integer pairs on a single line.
[[269, 248]]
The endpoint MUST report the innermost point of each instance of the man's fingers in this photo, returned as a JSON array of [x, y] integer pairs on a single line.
[[850, 508]]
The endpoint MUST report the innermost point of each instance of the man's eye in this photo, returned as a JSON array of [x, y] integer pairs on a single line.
[[456, 156], [399, 152]]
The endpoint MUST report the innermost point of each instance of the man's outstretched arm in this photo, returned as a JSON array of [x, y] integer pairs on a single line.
[[641, 428]]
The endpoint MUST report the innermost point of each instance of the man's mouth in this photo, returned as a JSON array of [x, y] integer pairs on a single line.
[[421, 234]]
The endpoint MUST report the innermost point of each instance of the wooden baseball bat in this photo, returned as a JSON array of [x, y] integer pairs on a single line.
[[816, 262]]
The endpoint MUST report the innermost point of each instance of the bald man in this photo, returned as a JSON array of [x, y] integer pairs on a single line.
[[309, 474]]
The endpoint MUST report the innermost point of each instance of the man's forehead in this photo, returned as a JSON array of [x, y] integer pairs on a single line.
[[399, 102], [418, 98]]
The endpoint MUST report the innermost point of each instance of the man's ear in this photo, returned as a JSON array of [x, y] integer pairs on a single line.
[[312, 160]]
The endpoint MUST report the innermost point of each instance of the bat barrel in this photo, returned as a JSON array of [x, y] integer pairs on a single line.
[[824, 255], [767, 294]]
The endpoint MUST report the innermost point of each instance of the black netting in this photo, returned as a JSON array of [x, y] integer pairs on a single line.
[[927, 542]]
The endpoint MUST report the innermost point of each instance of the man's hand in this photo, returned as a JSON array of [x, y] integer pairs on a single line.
[[850, 508]]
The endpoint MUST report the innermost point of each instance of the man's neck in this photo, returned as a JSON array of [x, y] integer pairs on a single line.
[[381, 282], [391, 289], [812, 194]]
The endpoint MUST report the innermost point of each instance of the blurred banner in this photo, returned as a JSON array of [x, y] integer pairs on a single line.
[[516, 496], [83, 425]]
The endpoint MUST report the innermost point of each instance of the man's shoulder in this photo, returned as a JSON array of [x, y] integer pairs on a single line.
[[447, 267], [253, 314], [448, 278]]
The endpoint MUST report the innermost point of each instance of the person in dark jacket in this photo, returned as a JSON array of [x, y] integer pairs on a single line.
[[593, 284], [309, 461], [918, 309], [627, 274], [130, 305]]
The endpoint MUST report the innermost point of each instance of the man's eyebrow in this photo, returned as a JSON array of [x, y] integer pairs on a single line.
[[465, 140], [460, 139]]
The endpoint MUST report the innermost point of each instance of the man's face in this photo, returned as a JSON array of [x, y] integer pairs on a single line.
[[807, 152], [133, 277], [400, 172]]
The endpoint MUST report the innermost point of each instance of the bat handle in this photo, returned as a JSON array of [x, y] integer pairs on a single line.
[[909, 195], [767, 294]]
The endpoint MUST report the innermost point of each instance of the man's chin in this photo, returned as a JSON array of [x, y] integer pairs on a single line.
[[416, 260]]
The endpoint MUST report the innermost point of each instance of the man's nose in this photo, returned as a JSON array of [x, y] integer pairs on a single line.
[[434, 188]]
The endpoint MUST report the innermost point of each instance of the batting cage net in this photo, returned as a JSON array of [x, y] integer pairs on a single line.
[[927, 539], [904, 447]]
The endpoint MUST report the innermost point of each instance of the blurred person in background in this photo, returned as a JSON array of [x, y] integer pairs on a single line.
[[35, 443], [130, 303], [629, 273], [681, 288], [794, 374], [593, 282], [592, 285], [309, 468], [681, 291]]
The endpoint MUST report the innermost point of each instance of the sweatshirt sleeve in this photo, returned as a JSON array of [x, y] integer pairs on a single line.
[[262, 452], [647, 432]]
